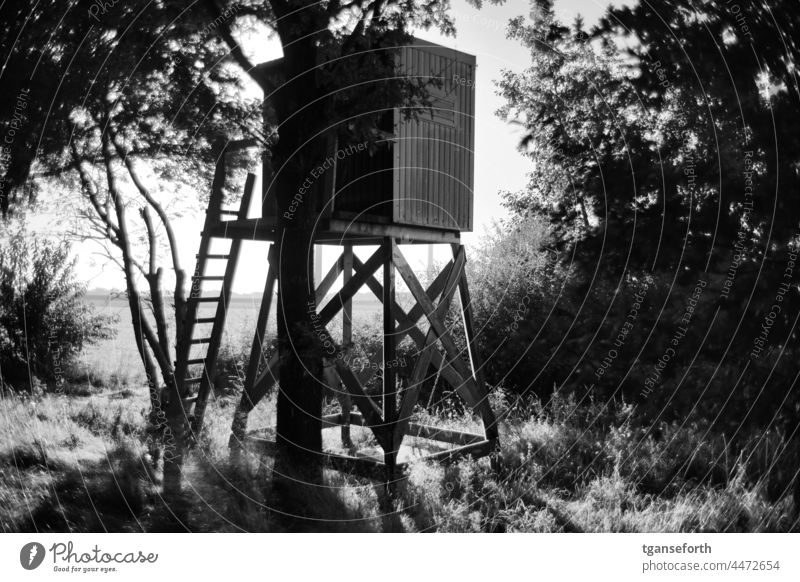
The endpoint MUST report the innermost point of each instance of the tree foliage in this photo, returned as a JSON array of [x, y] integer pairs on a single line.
[[663, 157]]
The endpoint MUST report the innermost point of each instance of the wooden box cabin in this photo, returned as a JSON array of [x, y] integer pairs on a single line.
[[422, 174]]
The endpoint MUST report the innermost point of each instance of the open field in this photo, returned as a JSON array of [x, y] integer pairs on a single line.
[[116, 362]]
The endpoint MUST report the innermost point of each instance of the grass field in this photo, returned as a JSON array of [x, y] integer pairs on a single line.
[[72, 463], [116, 362], [80, 461]]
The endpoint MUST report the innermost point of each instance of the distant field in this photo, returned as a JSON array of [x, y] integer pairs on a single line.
[[118, 356]]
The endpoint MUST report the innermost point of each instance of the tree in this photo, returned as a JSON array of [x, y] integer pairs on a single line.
[[736, 66], [142, 108], [660, 163]]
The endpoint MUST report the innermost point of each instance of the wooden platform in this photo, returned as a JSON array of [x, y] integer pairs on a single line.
[[337, 231]]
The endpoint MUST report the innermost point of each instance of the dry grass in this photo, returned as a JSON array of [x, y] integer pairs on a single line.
[[80, 463]]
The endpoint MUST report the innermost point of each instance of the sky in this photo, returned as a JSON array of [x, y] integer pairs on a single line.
[[498, 164]]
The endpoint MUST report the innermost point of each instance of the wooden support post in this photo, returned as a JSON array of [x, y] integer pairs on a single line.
[[257, 349], [317, 264], [347, 310], [389, 357], [251, 396], [489, 420]]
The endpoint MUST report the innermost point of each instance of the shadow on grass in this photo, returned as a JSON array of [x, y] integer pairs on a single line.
[[106, 496]]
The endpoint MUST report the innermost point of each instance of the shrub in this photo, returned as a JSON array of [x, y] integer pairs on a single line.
[[515, 281], [44, 322]]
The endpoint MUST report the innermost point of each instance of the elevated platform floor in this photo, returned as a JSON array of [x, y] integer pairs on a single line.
[[337, 231]]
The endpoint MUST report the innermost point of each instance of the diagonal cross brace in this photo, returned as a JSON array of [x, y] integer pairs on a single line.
[[426, 353], [463, 383]]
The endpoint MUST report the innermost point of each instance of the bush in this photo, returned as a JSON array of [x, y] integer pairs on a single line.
[[44, 322], [515, 282]]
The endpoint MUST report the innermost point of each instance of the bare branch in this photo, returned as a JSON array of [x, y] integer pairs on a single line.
[[151, 238], [154, 280], [129, 264], [143, 190], [91, 192], [180, 275]]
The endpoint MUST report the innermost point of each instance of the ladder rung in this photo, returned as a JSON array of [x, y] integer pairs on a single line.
[[229, 212], [223, 257], [205, 320], [208, 277], [203, 340], [193, 380], [189, 400], [204, 299], [197, 361]]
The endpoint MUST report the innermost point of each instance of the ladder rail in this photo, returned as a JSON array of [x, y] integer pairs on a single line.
[[215, 337], [183, 339]]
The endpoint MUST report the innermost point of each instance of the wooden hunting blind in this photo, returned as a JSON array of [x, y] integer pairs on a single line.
[[421, 172], [416, 187]]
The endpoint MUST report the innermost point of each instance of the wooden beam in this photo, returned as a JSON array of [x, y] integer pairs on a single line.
[[476, 362], [366, 467], [336, 232], [429, 346], [351, 288], [389, 357], [419, 294], [478, 449], [329, 279], [374, 465], [404, 233], [266, 379], [331, 420], [370, 412], [408, 327], [416, 312], [251, 229], [444, 435], [257, 348], [347, 312]]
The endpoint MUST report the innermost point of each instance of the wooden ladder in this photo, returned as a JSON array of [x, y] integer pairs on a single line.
[[195, 390]]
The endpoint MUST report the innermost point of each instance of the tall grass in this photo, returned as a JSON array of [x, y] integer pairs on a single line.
[[81, 463]]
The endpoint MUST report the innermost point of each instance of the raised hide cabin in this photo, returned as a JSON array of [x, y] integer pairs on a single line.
[[413, 186], [422, 174]]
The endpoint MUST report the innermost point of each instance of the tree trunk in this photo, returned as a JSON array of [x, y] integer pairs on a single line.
[[299, 151], [299, 408]]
